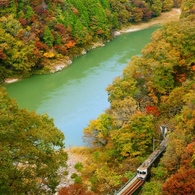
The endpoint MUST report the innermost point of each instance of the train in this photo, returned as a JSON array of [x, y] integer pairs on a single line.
[[144, 169]]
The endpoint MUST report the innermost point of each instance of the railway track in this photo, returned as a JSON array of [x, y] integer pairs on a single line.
[[142, 172], [131, 187]]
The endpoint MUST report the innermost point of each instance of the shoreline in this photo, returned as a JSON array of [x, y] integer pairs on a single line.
[[165, 17]]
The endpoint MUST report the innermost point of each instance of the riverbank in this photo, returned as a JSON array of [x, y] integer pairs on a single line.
[[165, 17], [75, 155], [172, 15]]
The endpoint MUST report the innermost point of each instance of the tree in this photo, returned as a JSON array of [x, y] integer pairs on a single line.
[[79, 32], [177, 3], [187, 8], [29, 12], [121, 88], [153, 187], [4, 3], [135, 136], [156, 7], [180, 183], [32, 150], [48, 37], [137, 14], [97, 133], [167, 5], [19, 56], [122, 110], [10, 24]]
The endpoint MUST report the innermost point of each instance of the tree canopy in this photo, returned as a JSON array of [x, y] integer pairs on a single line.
[[32, 150], [35, 34]]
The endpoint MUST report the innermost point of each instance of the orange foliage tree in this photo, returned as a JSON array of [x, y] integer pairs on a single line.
[[152, 110], [70, 44], [181, 183]]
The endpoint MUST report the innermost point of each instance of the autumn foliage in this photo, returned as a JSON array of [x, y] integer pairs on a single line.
[[70, 44], [181, 183], [66, 27], [152, 110], [155, 88]]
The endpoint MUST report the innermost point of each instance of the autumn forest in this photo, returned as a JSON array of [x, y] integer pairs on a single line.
[[37, 34], [156, 88]]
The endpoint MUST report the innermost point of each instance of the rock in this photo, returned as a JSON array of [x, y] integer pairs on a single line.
[[59, 67], [11, 80]]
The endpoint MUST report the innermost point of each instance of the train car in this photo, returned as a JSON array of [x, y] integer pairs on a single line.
[[144, 169]]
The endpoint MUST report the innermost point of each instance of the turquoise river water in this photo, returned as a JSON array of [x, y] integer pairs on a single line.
[[77, 94]]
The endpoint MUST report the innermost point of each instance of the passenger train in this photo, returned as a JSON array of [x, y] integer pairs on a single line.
[[144, 169]]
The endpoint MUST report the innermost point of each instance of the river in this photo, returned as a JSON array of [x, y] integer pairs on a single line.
[[77, 94]]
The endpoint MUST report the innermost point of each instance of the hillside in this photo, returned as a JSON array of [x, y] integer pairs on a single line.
[[37, 34]]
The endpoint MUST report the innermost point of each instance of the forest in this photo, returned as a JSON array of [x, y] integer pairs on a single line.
[[156, 88], [37, 34]]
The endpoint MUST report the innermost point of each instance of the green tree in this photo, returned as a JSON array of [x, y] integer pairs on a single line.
[[153, 187], [79, 32], [167, 5], [19, 58], [10, 24], [135, 136], [156, 6], [187, 8], [29, 12], [105, 4], [58, 39], [48, 37], [32, 150], [97, 133]]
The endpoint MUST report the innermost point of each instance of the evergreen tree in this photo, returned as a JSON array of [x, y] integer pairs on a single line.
[[48, 37], [29, 12]]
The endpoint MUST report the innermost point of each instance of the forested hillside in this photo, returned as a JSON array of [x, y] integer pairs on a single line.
[[35, 34]]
